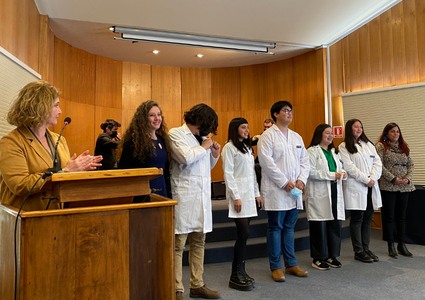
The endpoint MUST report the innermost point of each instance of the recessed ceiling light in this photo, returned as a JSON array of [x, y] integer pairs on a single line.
[[155, 51], [111, 28], [199, 55]]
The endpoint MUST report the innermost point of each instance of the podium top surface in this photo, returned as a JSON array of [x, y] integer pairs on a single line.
[[69, 176]]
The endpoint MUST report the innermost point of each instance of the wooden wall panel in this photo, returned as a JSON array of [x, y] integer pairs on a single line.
[[19, 30], [280, 81], [254, 87], [226, 89], [136, 85], [75, 73], [166, 88], [196, 87], [80, 133], [395, 45], [46, 50], [108, 82]]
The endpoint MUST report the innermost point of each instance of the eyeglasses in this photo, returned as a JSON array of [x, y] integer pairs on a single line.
[[287, 111]]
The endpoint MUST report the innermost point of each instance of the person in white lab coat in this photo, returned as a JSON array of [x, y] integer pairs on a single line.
[[242, 195], [361, 190], [194, 155], [324, 199], [285, 169]]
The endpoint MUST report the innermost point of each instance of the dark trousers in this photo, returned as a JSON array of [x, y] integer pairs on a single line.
[[242, 227], [325, 236], [394, 206], [360, 225]]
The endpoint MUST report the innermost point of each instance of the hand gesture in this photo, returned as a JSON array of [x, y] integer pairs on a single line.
[[289, 186], [83, 162], [299, 184]]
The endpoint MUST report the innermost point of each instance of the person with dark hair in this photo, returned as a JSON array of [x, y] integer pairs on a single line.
[[361, 191], [285, 169], [29, 150], [395, 185], [145, 145], [242, 195], [194, 154], [324, 199], [266, 125], [106, 144]]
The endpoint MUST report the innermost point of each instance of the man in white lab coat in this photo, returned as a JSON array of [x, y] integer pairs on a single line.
[[194, 155], [285, 169]]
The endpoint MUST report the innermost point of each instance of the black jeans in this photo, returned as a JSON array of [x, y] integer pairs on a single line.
[[394, 206], [360, 225], [325, 236]]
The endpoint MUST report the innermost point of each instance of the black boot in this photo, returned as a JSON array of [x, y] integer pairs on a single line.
[[402, 249], [247, 277], [237, 279], [391, 250]]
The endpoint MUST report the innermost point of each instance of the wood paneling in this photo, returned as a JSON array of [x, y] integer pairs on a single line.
[[254, 87], [280, 83], [46, 50], [136, 85], [7, 268], [166, 88], [19, 30], [108, 82], [196, 87], [226, 89], [75, 73], [387, 51]]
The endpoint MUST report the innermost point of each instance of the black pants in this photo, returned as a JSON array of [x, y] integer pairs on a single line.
[[325, 236], [360, 225], [394, 206], [242, 227]]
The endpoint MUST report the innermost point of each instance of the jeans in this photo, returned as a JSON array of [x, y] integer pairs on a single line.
[[360, 225], [196, 259], [280, 238], [394, 206]]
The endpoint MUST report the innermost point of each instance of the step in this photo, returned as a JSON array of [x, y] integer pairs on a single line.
[[222, 251]]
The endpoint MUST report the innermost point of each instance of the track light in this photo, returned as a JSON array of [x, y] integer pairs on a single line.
[[162, 37]]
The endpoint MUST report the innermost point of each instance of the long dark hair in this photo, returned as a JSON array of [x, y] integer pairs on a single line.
[[402, 145], [317, 137], [349, 137], [243, 146]]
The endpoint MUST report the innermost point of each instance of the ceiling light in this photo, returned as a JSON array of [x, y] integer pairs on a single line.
[[199, 55], [111, 28], [153, 36], [155, 51]]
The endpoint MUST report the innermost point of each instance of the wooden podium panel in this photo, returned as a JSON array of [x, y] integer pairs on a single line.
[[104, 252]]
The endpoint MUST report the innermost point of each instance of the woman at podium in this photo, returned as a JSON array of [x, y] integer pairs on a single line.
[[28, 151], [145, 145]]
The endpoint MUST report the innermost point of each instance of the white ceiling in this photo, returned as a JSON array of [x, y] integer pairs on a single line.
[[84, 24]]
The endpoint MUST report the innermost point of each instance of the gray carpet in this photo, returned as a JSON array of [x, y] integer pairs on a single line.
[[402, 278]]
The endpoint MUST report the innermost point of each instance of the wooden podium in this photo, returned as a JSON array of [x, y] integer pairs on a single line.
[[123, 251]]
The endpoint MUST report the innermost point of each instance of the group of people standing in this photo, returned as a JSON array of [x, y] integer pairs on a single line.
[[188, 153]]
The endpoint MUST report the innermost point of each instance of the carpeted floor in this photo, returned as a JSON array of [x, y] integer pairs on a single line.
[[402, 278]]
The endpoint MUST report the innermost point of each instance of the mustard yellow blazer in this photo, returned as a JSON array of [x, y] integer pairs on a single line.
[[22, 160]]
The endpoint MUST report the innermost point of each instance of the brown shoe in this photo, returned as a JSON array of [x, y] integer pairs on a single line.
[[278, 276], [204, 292], [179, 295], [295, 270]]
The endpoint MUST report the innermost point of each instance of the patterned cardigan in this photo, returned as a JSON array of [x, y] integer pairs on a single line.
[[395, 164]]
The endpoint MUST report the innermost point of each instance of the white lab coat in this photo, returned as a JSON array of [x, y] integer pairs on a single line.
[[190, 171], [318, 190], [241, 182], [282, 159], [361, 167]]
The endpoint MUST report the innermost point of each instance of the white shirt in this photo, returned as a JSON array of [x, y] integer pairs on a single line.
[[361, 167], [190, 171], [282, 159], [318, 190], [241, 182]]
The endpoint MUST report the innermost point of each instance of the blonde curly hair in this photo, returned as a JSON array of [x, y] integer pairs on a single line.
[[139, 132], [33, 105]]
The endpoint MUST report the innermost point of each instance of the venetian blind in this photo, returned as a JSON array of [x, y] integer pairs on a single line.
[[404, 105], [14, 74]]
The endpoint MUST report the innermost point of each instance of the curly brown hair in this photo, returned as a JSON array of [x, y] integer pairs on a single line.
[[33, 105], [139, 132]]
